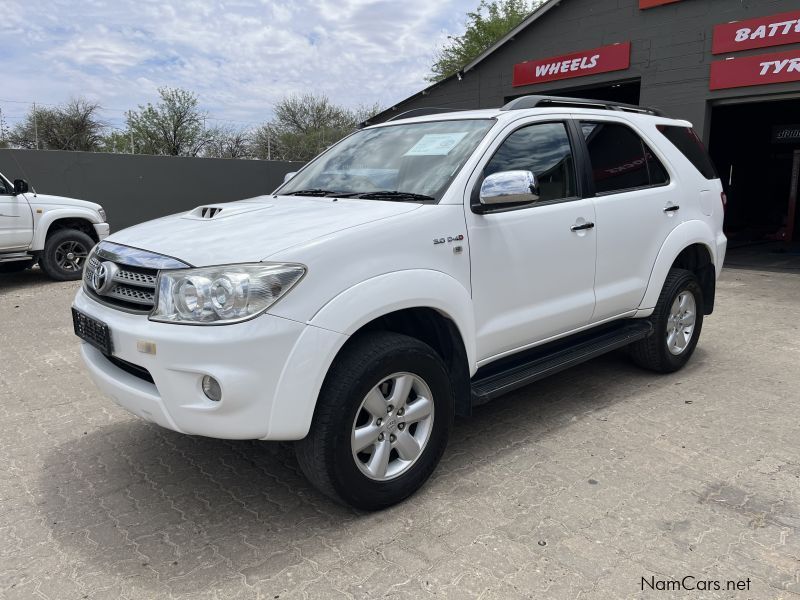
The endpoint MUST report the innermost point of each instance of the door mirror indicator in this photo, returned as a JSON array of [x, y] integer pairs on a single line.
[[509, 187], [20, 187]]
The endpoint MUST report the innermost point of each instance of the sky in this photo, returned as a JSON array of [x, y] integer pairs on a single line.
[[238, 56]]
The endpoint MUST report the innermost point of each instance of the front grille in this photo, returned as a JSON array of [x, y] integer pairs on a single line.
[[133, 288]]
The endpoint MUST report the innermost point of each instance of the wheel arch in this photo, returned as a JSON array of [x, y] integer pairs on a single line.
[[56, 220], [688, 247]]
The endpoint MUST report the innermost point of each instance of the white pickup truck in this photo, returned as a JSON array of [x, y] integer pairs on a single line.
[[58, 232], [415, 269]]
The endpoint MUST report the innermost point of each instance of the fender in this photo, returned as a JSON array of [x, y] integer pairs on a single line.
[[332, 325], [390, 292], [684, 235], [42, 222]]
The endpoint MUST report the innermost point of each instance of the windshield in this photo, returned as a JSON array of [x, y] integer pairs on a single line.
[[414, 162]]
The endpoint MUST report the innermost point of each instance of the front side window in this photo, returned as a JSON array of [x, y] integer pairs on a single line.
[[620, 159], [5, 187], [543, 149], [414, 161]]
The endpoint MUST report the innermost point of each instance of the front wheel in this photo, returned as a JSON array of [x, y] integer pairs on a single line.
[[64, 254], [677, 321], [381, 423]]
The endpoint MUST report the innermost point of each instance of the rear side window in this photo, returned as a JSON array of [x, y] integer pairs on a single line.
[[620, 158], [691, 146]]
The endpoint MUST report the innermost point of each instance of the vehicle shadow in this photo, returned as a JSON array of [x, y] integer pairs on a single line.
[[34, 276], [134, 501]]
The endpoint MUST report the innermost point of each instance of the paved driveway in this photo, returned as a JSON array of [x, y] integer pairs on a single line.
[[578, 486]]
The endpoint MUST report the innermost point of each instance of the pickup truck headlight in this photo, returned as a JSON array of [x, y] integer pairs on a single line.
[[224, 294]]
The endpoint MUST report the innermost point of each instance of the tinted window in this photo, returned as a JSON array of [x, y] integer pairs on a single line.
[[5, 188], [686, 140], [617, 156], [543, 149], [658, 174]]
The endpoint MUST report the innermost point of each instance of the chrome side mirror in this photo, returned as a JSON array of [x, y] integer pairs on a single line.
[[288, 176], [508, 187]]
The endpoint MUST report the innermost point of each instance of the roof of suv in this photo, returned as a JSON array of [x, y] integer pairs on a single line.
[[533, 105]]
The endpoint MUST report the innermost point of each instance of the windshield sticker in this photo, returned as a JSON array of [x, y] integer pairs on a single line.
[[436, 144]]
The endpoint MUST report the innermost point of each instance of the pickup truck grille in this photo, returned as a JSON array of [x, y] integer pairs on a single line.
[[133, 288]]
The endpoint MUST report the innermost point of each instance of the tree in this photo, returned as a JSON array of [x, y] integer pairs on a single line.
[[229, 142], [174, 126], [484, 26], [72, 126], [305, 125]]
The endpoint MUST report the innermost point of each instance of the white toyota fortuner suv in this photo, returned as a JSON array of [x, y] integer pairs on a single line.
[[415, 269], [56, 231]]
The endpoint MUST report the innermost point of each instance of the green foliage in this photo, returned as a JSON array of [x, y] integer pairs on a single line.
[[175, 126], [484, 26], [73, 126], [305, 125]]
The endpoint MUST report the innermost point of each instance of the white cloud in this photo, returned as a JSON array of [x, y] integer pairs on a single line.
[[239, 56]]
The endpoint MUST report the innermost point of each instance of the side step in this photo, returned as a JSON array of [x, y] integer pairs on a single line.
[[15, 256], [554, 357]]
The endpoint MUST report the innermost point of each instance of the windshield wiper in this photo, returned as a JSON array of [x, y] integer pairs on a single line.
[[396, 195], [312, 192]]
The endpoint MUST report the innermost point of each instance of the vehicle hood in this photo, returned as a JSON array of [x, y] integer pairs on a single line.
[[49, 201], [251, 230]]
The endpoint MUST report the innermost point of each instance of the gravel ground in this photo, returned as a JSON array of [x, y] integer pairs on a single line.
[[593, 484]]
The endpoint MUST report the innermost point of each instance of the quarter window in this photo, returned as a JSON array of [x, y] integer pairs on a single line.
[[620, 159], [543, 149]]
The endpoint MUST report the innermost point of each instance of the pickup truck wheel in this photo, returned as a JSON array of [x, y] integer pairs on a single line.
[[65, 252], [381, 423], [677, 321]]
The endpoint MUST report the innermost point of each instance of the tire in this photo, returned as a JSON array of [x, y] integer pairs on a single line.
[[60, 245], [328, 455], [656, 352], [16, 266]]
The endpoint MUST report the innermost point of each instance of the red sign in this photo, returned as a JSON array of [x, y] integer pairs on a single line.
[[756, 70], [757, 33], [651, 3], [615, 57]]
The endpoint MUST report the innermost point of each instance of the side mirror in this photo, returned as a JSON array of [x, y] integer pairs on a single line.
[[288, 176], [509, 187], [20, 187]]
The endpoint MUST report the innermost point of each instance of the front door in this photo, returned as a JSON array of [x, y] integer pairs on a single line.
[[532, 275], [16, 220]]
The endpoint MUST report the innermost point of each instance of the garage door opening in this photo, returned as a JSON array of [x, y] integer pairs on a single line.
[[626, 92], [756, 149]]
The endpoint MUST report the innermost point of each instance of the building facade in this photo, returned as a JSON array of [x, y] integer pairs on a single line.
[[731, 67]]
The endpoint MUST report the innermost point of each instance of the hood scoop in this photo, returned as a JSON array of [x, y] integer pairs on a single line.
[[216, 212]]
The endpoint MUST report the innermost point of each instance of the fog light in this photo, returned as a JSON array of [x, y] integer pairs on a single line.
[[211, 388]]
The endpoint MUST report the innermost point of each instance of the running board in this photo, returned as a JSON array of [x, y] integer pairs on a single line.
[[14, 257], [554, 357]]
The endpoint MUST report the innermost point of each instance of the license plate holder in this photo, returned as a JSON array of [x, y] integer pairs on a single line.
[[92, 331]]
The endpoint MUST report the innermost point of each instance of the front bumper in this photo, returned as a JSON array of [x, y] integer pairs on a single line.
[[270, 370], [102, 230]]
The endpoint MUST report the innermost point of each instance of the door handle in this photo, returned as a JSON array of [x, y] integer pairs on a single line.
[[672, 208], [588, 225]]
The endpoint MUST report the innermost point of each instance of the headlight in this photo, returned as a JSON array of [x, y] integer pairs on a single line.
[[102, 214], [224, 294]]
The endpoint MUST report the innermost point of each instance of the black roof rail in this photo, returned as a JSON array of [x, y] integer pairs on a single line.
[[421, 112], [562, 101]]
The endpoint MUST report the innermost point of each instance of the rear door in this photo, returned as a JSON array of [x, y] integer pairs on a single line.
[[16, 220], [637, 206]]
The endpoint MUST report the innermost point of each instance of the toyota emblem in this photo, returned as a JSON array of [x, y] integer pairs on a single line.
[[103, 277]]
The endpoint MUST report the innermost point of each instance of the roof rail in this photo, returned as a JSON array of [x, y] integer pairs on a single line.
[[421, 112], [541, 101]]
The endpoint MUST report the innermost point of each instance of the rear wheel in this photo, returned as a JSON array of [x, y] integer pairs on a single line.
[[64, 254], [381, 423], [677, 321]]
